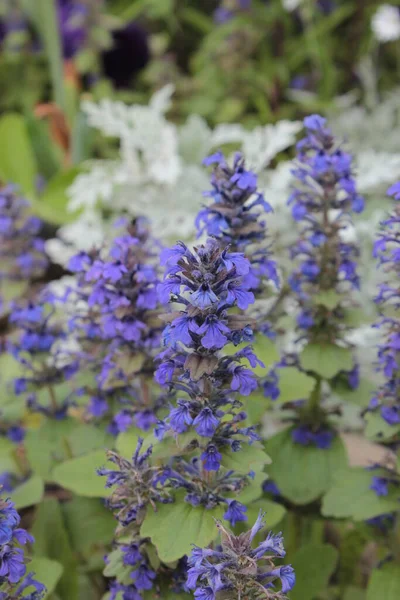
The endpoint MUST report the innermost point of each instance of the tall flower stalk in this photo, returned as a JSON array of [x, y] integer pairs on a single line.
[[386, 401], [323, 200], [117, 328], [22, 256], [203, 286]]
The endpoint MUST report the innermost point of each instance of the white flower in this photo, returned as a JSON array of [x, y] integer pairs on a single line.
[[386, 23], [85, 233], [290, 5], [375, 169]]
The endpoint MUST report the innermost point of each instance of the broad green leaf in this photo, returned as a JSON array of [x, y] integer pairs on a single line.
[[274, 513], [313, 565], [52, 204], [294, 385], [29, 493], [384, 583], [17, 161], [354, 593], [51, 540], [326, 359], [360, 396], [267, 352], [115, 567], [89, 524], [378, 429], [84, 438], [47, 572], [248, 458], [253, 490], [175, 527], [255, 406], [349, 487], [80, 475], [303, 473], [48, 445], [329, 299]]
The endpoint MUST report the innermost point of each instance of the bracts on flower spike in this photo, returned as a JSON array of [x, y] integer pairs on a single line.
[[238, 570]]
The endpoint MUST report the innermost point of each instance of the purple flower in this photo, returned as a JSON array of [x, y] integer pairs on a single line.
[[180, 417], [143, 577], [380, 486], [203, 297], [211, 458], [206, 423], [213, 331], [287, 576], [236, 512], [243, 380]]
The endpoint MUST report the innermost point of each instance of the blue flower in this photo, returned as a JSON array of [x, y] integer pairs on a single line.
[[143, 577], [206, 423], [180, 417], [236, 512], [211, 458]]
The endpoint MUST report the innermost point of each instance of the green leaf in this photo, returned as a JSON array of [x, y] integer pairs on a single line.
[[175, 527], [17, 160], [294, 385], [52, 205], [303, 473], [47, 572], [329, 299], [51, 540], [84, 438], [274, 513], [29, 493], [313, 565], [384, 583], [326, 359], [47, 445], [248, 458], [90, 524], [267, 352], [80, 475], [360, 396], [343, 500], [50, 32], [378, 429], [354, 593], [115, 567]]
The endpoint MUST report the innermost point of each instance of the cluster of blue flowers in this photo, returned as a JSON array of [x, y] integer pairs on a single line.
[[117, 329], [206, 283], [22, 256], [138, 487], [15, 583], [387, 251], [234, 218], [35, 344], [323, 199], [235, 567]]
